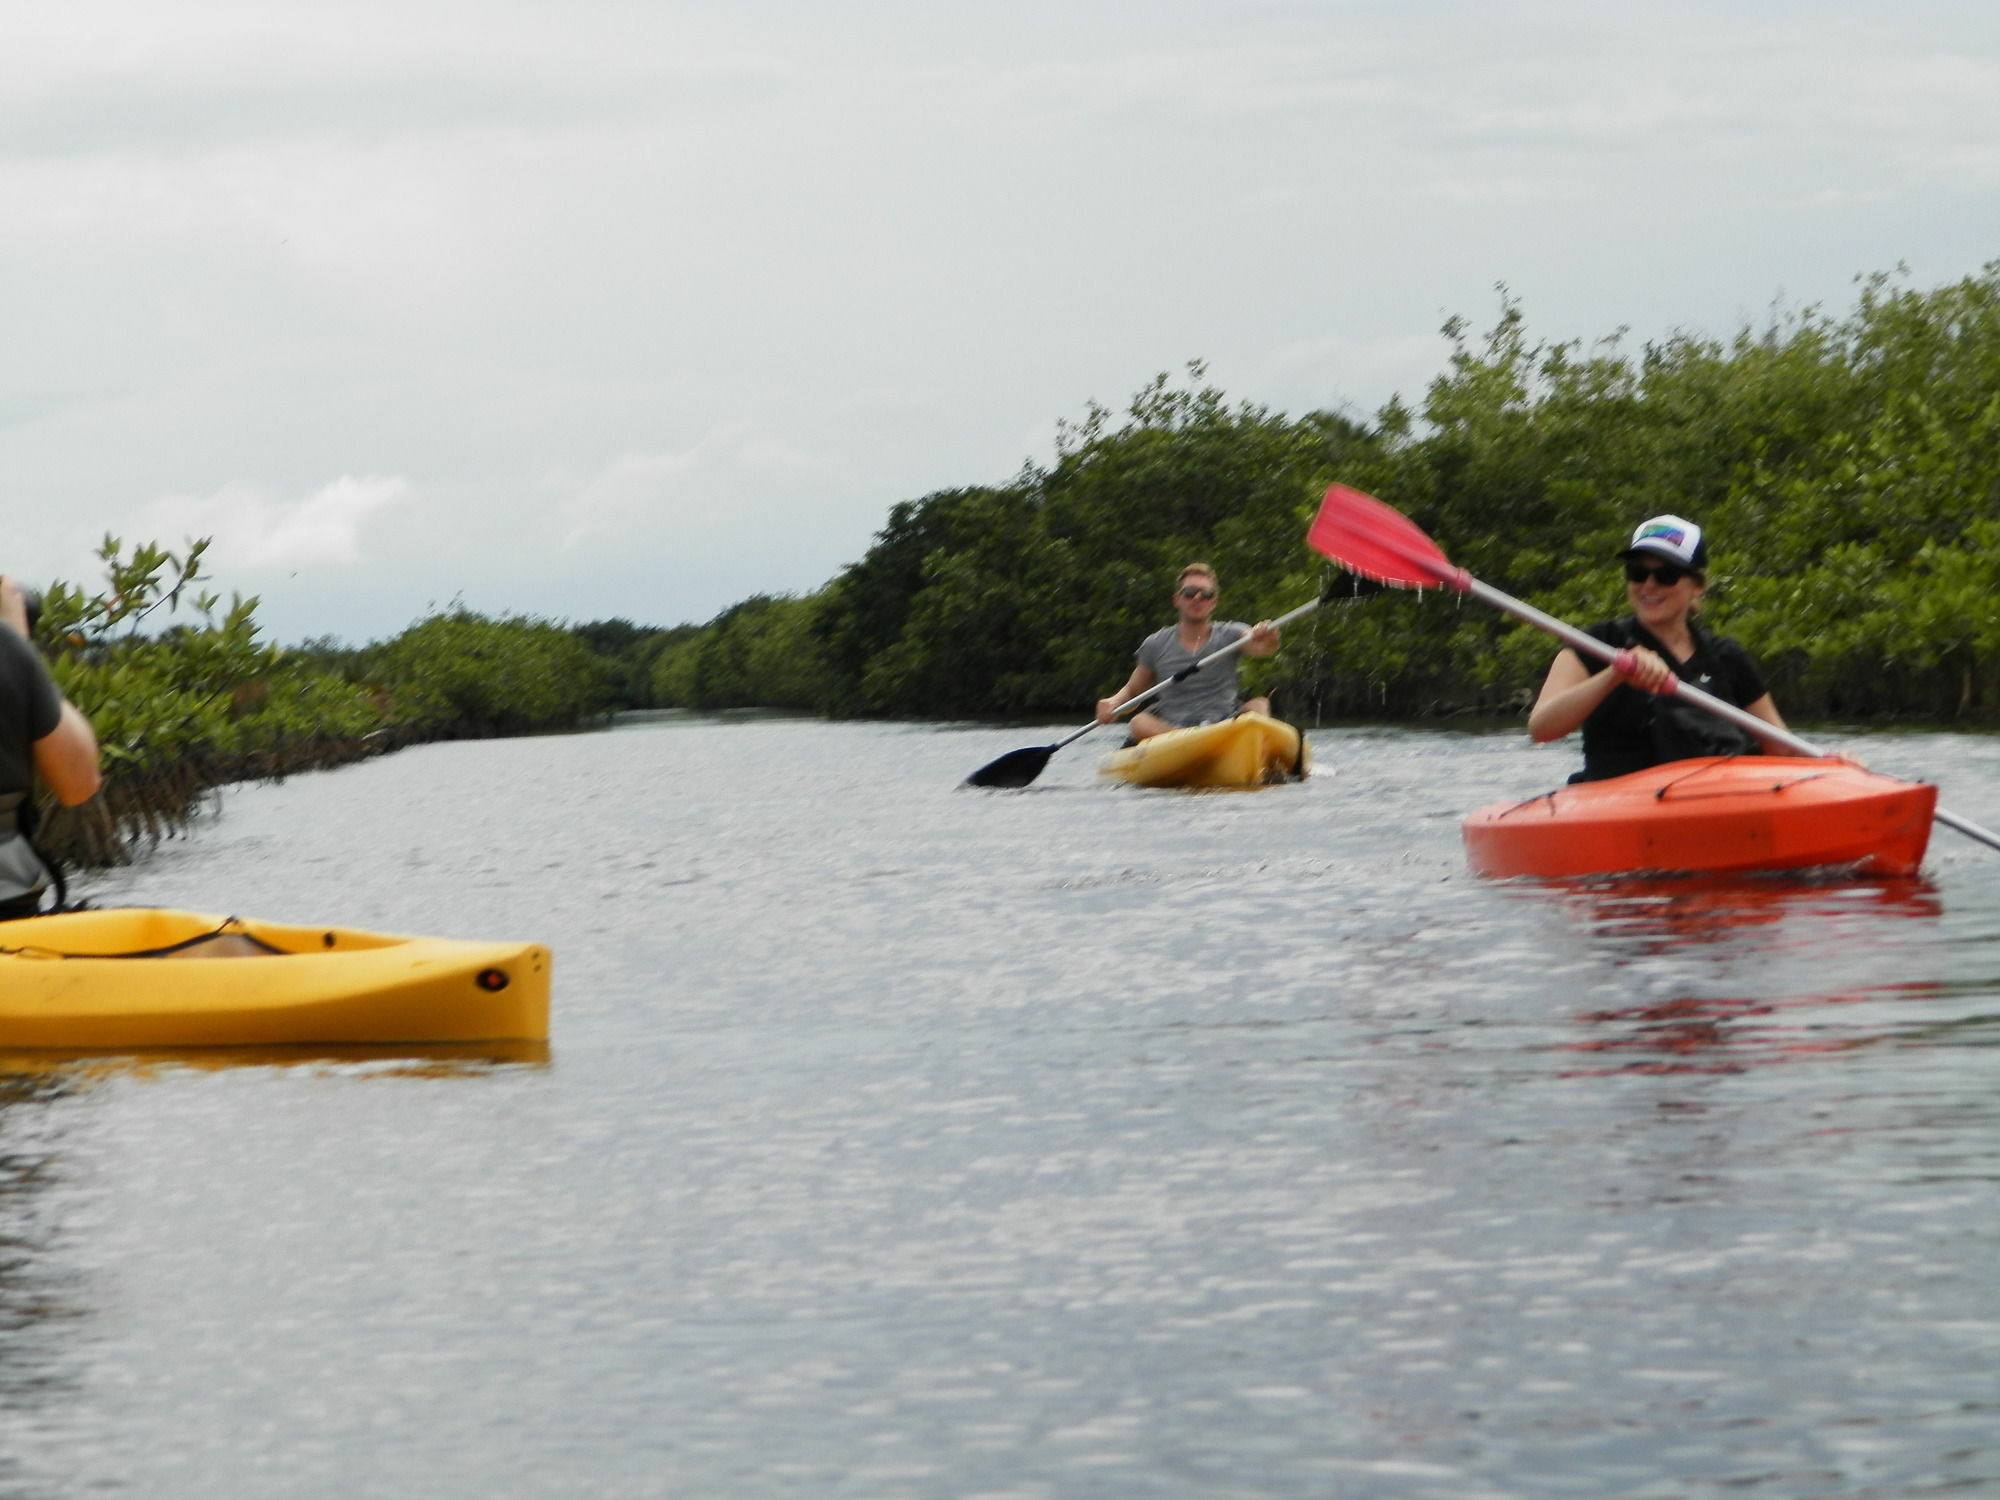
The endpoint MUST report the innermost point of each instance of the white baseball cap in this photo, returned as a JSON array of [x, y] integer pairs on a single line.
[[1672, 537]]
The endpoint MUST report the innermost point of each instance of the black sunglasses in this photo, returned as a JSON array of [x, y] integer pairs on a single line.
[[1666, 575], [1197, 593]]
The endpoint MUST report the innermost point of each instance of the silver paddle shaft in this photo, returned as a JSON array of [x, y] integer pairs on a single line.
[[1132, 703], [1569, 635]]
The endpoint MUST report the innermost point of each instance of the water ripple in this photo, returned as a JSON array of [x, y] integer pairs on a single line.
[[903, 1141]]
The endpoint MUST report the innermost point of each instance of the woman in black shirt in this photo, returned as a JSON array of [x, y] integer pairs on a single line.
[[1627, 723]]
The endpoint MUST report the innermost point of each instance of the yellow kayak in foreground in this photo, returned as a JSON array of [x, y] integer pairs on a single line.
[[1248, 750], [147, 977]]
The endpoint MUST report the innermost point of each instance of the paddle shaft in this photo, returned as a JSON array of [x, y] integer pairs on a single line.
[[1579, 640], [1017, 768], [1570, 636], [1133, 702], [1359, 532]]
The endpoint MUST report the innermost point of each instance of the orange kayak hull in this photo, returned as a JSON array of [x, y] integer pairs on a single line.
[[1728, 814]]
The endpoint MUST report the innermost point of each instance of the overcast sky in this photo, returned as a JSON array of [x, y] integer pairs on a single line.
[[638, 307]]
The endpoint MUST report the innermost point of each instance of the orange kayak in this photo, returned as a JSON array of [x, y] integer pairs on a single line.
[[1720, 814]]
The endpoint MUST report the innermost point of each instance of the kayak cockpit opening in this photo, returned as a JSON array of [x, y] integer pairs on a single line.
[[215, 945], [230, 939]]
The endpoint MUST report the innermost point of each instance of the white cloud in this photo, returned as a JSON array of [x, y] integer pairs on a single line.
[[252, 531], [744, 277], [1501, 188], [707, 491]]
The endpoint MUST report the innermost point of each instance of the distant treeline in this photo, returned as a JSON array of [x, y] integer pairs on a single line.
[[1848, 471], [185, 697]]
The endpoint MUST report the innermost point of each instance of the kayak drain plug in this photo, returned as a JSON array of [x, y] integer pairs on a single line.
[[492, 979]]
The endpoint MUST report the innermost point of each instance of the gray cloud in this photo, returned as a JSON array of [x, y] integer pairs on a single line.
[[650, 308]]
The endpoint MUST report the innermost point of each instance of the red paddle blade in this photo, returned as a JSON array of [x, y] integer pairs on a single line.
[[1367, 537]]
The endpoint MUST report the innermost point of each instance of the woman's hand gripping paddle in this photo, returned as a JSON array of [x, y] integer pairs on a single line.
[[1017, 768], [1367, 537]]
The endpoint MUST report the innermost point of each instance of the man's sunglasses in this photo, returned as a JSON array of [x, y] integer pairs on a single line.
[[1197, 593], [1666, 575]]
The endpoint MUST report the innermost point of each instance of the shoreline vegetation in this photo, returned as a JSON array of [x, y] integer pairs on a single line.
[[1847, 467]]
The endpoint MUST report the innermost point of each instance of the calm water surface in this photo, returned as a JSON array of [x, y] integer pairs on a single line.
[[901, 1141]]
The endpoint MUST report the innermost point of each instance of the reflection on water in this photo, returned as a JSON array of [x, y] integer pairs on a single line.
[[1837, 930], [1657, 914], [40, 1302], [54, 1294], [897, 1142], [398, 1059], [1728, 1034]]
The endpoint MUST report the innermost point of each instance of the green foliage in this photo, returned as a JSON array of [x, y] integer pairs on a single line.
[[1030, 598], [184, 696], [197, 702], [875, 659], [629, 654], [1848, 470], [764, 652], [457, 674]]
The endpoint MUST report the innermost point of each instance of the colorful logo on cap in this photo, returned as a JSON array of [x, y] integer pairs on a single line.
[[1658, 531]]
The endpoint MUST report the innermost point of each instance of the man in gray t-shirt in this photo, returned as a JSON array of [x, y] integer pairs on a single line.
[[1209, 694]]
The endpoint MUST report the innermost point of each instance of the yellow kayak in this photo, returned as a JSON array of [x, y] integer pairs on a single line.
[[1248, 750], [146, 977]]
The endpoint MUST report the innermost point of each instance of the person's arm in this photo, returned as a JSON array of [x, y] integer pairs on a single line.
[[1263, 640], [13, 607], [67, 758], [1571, 692], [1141, 679]]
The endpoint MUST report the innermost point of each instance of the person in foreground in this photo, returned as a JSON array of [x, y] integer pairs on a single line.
[[40, 732], [1627, 724], [1209, 694]]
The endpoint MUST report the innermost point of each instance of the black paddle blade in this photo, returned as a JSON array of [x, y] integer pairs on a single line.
[[1014, 769]]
